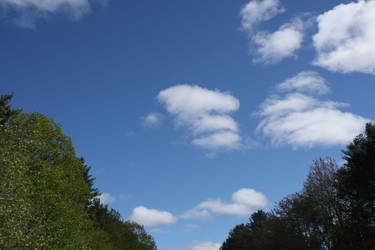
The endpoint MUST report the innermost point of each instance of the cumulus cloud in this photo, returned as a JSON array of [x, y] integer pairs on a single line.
[[29, 10], [299, 119], [283, 43], [106, 198], [244, 202], [152, 120], [255, 12], [205, 113], [205, 245], [346, 37], [151, 217]]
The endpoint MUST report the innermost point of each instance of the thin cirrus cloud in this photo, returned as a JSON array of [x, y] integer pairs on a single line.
[[349, 46], [205, 245], [306, 81], [283, 43], [244, 201], [152, 217], [255, 12], [28, 11], [300, 119], [205, 113], [152, 120]]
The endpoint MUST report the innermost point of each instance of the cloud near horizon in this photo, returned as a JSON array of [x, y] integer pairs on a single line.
[[151, 217], [302, 120], [106, 198], [205, 113], [349, 46], [28, 11], [244, 202], [205, 245]]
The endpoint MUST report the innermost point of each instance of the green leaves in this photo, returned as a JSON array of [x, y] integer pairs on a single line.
[[47, 194]]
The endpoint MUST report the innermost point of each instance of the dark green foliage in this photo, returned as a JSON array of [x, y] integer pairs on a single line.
[[357, 187], [118, 234], [6, 111], [47, 195]]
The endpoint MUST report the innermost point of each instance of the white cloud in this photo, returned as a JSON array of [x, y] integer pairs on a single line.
[[152, 120], [244, 202], [205, 245], [106, 198], [205, 113], [281, 44], [249, 197], [151, 217], [307, 81], [29, 10], [255, 12], [220, 139], [301, 120], [346, 37]]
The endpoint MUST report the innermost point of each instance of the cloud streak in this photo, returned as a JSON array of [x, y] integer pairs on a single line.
[[244, 201], [28, 11]]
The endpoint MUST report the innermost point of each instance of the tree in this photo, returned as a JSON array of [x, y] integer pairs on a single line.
[[40, 161], [357, 187], [311, 219], [6, 111], [47, 194]]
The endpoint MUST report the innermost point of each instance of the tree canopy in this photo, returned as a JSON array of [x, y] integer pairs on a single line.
[[47, 195]]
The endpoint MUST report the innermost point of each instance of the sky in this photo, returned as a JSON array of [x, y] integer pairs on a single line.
[[194, 114]]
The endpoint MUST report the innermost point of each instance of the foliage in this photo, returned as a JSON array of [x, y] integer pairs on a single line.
[[357, 187], [47, 195]]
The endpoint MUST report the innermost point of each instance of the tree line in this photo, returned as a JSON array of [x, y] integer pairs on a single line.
[[47, 194], [335, 210]]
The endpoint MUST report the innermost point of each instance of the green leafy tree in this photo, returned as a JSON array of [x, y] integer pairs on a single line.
[[53, 189]]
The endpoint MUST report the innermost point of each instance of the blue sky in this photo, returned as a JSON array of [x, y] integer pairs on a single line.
[[194, 114]]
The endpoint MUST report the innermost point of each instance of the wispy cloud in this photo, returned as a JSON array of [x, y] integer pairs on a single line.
[[306, 81], [299, 119], [346, 37], [205, 245], [191, 227], [28, 11], [255, 12], [106, 198], [152, 217], [244, 201], [205, 113], [152, 120]]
